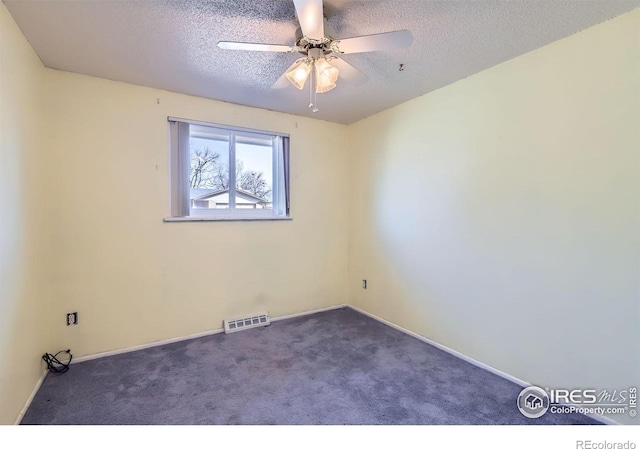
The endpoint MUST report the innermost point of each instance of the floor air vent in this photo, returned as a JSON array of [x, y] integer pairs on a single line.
[[249, 322]]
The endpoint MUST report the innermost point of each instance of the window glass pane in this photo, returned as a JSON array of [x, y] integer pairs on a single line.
[[204, 156], [209, 168], [254, 172]]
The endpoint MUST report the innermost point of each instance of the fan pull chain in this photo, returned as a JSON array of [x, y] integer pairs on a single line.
[[315, 101], [314, 88], [311, 91]]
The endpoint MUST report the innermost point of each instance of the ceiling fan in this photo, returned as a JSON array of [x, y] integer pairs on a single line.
[[321, 61]]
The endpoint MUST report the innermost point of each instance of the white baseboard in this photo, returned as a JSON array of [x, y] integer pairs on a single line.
[[479, 364], [309, 312], [31, 397], [99, 355], [474, 362]]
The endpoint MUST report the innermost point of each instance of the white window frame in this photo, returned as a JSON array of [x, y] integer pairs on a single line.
[[181, 210]]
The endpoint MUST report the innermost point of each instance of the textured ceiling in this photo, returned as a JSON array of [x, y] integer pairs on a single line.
[[171, 44]]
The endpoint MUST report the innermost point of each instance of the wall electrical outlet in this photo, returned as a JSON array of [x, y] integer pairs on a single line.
[[72, 318], [364, 284]]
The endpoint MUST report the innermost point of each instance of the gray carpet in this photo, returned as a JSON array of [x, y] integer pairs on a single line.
[[336, 367]]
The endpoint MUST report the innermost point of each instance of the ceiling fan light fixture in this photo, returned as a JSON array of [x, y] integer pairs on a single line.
[[324, 84], [321, 88], [299, 73], [326, 70], [320, 48]]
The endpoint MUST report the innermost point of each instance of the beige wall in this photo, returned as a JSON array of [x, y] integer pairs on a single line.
[[22, 294], [500, 216], [134, 279]]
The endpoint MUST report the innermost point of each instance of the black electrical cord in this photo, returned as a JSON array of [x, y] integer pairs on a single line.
[[55, 365]]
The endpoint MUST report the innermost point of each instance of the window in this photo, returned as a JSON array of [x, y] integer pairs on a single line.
[[220, 172]]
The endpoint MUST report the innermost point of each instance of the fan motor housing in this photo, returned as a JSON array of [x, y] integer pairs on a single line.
[[307, 44]]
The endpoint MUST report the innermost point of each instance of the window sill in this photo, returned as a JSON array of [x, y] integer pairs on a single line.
[[246, 218]]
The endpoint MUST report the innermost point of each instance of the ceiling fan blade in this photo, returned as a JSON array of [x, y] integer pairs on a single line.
[[256, 47], [310, 17], [283, 81], [347, 71], [374, 42]]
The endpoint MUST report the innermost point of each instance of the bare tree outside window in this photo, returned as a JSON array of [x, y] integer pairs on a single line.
[[252, 181], [209, 172], [203, 167]]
